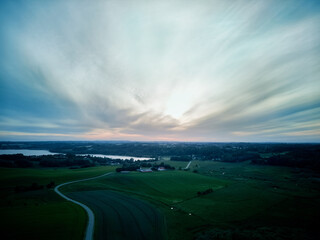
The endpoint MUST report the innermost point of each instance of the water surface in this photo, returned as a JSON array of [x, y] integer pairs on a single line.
[[26, 152]]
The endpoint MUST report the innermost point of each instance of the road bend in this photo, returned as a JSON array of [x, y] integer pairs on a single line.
[[90, 225]]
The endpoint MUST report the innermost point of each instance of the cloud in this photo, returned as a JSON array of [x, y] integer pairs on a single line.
[[209, 70]]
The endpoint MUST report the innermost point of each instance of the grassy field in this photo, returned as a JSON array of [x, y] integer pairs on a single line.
[[41, 214], [165, 190], [121, 217], [168, 187], [248, 202]]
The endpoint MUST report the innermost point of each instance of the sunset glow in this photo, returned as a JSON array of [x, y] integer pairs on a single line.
[[160, 70]]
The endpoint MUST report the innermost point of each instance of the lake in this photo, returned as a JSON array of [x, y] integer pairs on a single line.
[[117, 157], [26, 152]]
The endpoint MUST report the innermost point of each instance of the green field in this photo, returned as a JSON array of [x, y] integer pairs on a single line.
[[121, 217], [41, 214], [165, 190], [247, 199], [248, 202]]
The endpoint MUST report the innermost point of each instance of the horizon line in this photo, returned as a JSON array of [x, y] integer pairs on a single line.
[[139, 141]]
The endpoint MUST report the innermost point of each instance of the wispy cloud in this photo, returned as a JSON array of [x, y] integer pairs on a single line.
[[152, 70]]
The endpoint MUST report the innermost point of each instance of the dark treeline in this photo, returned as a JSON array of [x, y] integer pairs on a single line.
[[147, 149], [33, 187], [181, 158], [15, 161], [206, 192], [59, 160], [133, 166], [281, 154], [299, 157]]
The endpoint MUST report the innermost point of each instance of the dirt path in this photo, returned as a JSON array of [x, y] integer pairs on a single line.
[[90, 225]]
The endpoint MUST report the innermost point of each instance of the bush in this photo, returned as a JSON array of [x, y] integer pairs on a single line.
[[210, 190], [51, 185]]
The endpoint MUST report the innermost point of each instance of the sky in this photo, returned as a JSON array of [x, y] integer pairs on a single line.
[[170, 70]]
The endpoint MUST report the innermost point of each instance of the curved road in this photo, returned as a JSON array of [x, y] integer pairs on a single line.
[[90, 226]]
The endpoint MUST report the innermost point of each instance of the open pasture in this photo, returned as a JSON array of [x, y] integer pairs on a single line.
[[119, 216], [168, 187], [244, 196], [247, 199], [41, 214]]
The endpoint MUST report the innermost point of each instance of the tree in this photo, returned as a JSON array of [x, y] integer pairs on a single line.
[[51, 185]]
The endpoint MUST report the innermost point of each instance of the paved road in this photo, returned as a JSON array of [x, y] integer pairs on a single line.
[[188, 165], [90, 226]]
